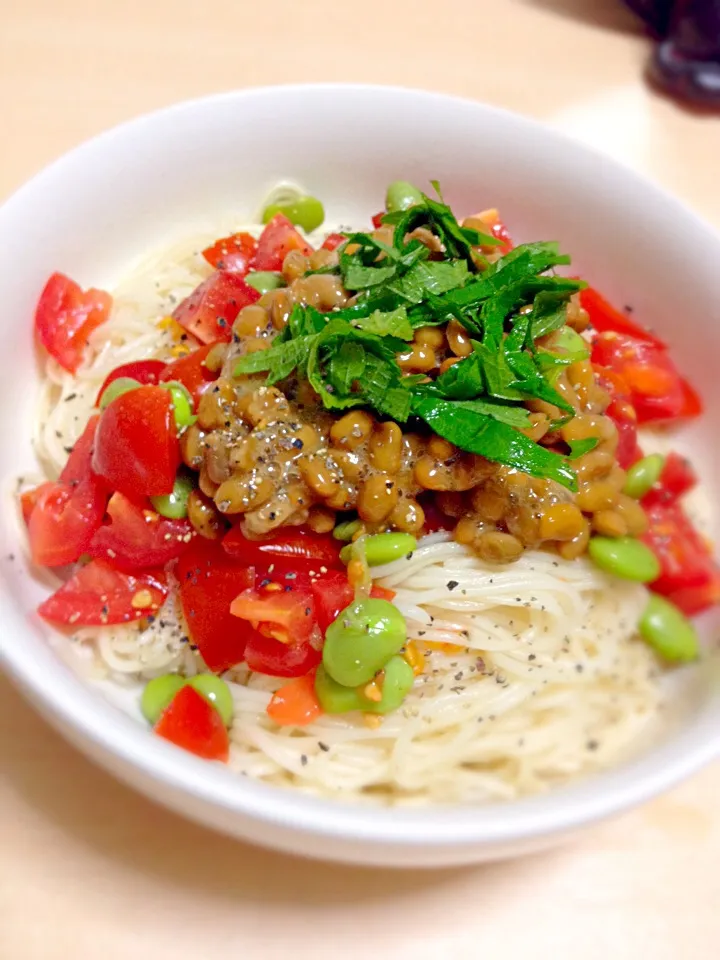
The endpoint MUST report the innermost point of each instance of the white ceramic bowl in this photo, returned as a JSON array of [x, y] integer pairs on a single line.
[[155, 179]]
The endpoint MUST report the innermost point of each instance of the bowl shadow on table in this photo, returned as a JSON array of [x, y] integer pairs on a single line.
[[605, 14], [69, 792]]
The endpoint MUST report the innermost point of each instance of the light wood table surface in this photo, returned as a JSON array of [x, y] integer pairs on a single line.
[[89, 870]]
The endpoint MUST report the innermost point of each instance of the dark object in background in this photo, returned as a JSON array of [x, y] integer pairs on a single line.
[[686, 61]]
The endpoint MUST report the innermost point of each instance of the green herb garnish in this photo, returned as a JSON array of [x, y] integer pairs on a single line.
[[350, 356]]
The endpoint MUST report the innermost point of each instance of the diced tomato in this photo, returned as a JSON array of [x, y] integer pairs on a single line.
[[622, 413], [333, 241], [195, 725], [287, 616], [496, 228], [66, 316], [29, 499], [332, 593], [296, 703], [192, 372], [209, 581], [377, 219], [435, 519], [382, 593], [623, 416], [64, 520], [137, 537], [605, 318], [275, 659], [79, 464], [210, 310], [136, 445], [97, 595], [144, 371], [289, 550], [232, 254], [692, 404], [677, 478], [277, 240], [657, 391], [689, 576]]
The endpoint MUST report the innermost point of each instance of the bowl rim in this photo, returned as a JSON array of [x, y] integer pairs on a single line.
[[72, 702]]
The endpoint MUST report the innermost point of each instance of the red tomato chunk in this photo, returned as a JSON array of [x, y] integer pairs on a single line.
[[232, 254], [97, 595], [292, 550], [137, 537], [277, 240], [144, 371], [66, 316], [192, 723], [191, 372], [136, 445], [210, 310]]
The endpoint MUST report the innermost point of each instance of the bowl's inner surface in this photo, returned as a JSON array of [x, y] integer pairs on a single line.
[[203, 166]]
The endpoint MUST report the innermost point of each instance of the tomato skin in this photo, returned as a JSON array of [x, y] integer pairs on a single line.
[[689, 576], [296, 703], [289, 550], [97, 595], [284, 615], [604, 317], [657, 391], [332, 593], [209, 581], [144, 371], [136, 445], [138, 538], [232, 254], [79, 463], [29, 499], [64, 520], [210, 310], [277, 240], [333, 240], [192, 372], [275, 659], [377, 219], [65, 317], [675, 480], [622, 413], [193, 724]]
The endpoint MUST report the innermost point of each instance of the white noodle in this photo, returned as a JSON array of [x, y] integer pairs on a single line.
[[546, 679]]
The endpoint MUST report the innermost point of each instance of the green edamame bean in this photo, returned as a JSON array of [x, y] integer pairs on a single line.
[[182, 402], [361, 641], [334, 697], [401, 195], [398, 680], [643, 475], [264, 280], [386, 547], [625, 557], [668, 630], [174, 505], [158, 694], [571, 343], [216, 692], [306, 212], [116, 389], [344, 531]]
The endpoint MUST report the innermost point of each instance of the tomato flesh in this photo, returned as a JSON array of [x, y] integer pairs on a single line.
[[191, 372], [289, 550], [657, 391], [210, 310], [296, 703], [209, 582], [97, 595], [137, 537], [676, 479], [144, 371], [79, 463], [689, 576], [232, 254], [136, 445], [333, 240], [64, 520], [277, 240], [65, 317], [605, 318], [192, 723], [275, 659], [287, 616]]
